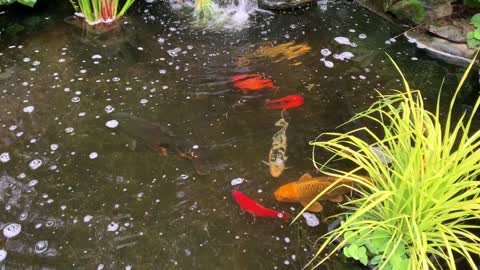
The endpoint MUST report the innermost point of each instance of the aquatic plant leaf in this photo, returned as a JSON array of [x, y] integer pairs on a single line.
[[477, 33], [29, 3], [471, 40], [6, 2], [475, 20], [362, 255], [376, 260]]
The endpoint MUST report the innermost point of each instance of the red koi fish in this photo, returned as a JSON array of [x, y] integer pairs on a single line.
[[256, 209], [287, 102], [252, 82]]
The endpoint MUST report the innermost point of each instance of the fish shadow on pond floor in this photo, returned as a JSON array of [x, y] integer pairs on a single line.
[[161, 139]]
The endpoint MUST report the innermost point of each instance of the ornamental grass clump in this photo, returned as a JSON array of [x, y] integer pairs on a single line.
[[101, 11], [423, 203]]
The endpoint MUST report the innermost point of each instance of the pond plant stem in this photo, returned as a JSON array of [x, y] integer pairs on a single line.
[[100, 11]]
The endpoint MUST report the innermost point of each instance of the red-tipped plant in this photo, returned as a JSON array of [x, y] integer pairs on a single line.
[[100, 11]]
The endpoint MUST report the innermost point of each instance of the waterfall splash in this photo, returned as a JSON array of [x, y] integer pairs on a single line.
[[229, 15]]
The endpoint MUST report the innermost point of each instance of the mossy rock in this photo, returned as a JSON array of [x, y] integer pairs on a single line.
[[409, 10]]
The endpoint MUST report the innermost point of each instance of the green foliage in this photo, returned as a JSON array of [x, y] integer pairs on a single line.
[[421, 208], [409, 10], [6, 2], [473, 37], [204, 8], [96, 11], [472, 3], [29, 3]]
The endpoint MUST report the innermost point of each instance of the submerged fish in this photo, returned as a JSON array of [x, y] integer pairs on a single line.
[[255, 209], [278, 53], [159, 138], [277, 157], [252, 82], [307, 188], [286, 102]]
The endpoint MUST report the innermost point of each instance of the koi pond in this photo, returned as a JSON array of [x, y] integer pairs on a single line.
[[83, 188]]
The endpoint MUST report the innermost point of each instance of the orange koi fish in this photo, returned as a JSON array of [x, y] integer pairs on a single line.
[[307, 188], [252, 82]]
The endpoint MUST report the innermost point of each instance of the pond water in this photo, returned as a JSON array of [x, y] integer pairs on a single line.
[[89, 194]]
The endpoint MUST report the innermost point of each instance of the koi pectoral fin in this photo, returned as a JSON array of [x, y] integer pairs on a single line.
[[337, 199], [266, 163], [315, 207]]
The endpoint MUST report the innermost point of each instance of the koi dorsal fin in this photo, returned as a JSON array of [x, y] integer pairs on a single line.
[[305, 177]]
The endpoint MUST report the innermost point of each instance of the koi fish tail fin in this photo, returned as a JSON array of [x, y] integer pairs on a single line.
[[281, 123]]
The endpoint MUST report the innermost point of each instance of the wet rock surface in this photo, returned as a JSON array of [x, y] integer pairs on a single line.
[[454, 53], [278, 5], [452, 30]]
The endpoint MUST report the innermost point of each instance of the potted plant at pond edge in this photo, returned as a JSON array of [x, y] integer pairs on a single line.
[[419, 210], [100, 15]]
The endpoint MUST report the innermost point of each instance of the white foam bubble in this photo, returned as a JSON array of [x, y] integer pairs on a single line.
[[328, 64], [4, 157], [93, 155], [53, 146], [96, 56], [3, 255], [112, 124], [237, 181], [32, 182], [11, 230], [40, 247], [343, 56], [325, 52], [311, 219], [112, 227], [35, 164], [87, 218], [109, 109], [69, 130], [28, 109]]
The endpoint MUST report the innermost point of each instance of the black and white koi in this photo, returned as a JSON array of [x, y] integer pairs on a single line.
[[277, 155]]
